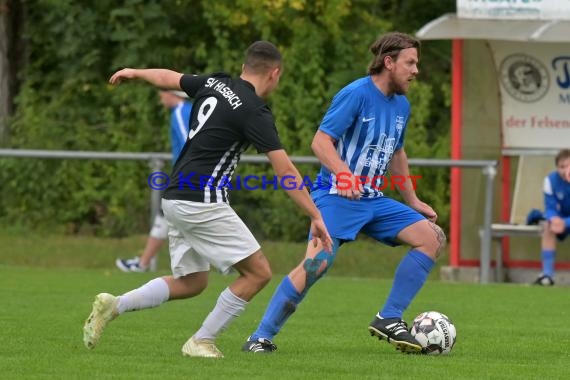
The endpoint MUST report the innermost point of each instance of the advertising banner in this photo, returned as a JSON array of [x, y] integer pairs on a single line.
[[514, 9], [534, 82]]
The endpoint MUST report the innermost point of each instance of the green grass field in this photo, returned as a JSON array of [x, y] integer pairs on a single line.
[[504, 331]]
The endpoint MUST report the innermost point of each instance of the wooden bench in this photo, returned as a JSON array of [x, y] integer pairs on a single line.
[[527, 194]]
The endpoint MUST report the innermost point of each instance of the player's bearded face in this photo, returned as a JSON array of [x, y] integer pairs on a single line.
[[405, 70]]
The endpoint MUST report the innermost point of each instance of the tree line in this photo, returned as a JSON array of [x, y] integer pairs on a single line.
[[56, 58]]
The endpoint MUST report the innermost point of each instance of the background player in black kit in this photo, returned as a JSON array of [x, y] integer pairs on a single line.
[[228, 115]]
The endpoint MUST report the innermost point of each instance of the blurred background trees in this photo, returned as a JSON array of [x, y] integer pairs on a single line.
[[56, 57]]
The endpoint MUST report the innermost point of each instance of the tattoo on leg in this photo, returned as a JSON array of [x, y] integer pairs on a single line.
[[317, 267], [312, 267], [440, 237]]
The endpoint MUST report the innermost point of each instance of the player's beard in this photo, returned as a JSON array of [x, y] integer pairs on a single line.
[[399, 86]]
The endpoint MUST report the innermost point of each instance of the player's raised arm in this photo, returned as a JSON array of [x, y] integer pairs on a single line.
[[163, 78], [284, 168]]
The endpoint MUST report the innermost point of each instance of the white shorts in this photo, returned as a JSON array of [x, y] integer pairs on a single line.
[[204, 234]]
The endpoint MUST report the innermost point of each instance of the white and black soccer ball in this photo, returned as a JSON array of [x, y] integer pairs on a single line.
[[435, 332]]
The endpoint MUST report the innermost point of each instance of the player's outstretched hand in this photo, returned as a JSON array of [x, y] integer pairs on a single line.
[[319, 232], [122, 74]]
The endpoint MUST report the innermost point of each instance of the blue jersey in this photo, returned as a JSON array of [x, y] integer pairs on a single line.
[[368, 127], [179, 127], [556, 197]]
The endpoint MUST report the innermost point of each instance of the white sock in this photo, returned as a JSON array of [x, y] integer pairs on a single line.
[[228, 308], [151, 294]]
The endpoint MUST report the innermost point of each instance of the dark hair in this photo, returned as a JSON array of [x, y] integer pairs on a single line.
[[562, 155], [390, 45], [262, 56]]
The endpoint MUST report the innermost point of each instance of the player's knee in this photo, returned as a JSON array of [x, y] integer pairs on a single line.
[[255, 270], [258, 280], [440, 240], [198, 289], [186, 286], [263, 276], [266, 277]]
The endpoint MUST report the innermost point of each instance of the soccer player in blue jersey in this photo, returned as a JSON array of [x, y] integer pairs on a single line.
[[180, 109], [556, 214], [362, 135]]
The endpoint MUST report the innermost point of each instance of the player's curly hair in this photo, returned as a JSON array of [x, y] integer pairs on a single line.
[[390, 44]]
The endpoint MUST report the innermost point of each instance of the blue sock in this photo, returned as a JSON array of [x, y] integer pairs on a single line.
[[408, 280], [283, 303], [548, 256]]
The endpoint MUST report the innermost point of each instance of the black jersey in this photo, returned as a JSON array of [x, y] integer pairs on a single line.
[[227, 116]]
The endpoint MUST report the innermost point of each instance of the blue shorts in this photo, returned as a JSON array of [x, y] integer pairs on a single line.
[[380, 218]]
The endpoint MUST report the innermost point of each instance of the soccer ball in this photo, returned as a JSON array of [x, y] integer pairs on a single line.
[[435, 332]]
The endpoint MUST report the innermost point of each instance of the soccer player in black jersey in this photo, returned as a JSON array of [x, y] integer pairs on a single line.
[[228, 115]]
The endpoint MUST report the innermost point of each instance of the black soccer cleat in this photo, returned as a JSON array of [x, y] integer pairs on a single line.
[[395, 331], [259, 345], [544, 280]]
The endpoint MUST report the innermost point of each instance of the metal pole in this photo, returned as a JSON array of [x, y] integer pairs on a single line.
[[156, 165], [156, 162], [490, 172]]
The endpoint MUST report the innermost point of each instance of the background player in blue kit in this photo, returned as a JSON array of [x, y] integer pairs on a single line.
[[556, 213], [362, 133], [180, 109]]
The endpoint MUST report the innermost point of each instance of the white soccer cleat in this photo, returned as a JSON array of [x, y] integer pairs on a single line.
[[104, 311], [201, 348]]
